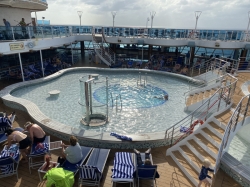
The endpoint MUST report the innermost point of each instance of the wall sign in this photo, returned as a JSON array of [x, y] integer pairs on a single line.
[[17, 46]]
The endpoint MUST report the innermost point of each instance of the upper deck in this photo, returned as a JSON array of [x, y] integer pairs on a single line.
[[34, 5]]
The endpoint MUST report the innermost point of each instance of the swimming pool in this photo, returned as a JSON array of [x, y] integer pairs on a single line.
[[140, 112]]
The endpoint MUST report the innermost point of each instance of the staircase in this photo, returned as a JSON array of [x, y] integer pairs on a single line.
[[190, 150], [103, 50], [199, 96]]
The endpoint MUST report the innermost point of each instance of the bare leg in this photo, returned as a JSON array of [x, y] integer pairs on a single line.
[[24, 155], [199, 183]]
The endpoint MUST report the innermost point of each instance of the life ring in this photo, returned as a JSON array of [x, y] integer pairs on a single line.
[[196, 122]]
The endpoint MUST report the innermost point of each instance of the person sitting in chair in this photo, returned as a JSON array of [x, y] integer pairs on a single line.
[[73, 152]]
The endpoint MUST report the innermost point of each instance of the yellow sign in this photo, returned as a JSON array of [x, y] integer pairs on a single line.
[[17, 46]]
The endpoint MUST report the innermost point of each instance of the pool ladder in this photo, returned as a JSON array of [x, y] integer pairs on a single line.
[[139, 81], [116, 99]]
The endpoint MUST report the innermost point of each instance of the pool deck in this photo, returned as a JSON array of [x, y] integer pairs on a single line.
[[170, 174]]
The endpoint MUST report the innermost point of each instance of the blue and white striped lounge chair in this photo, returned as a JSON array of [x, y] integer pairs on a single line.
[[146, 172], [75, 167], [9, 161], [124, 167], [38, 152], [4, 127], [90, 174]]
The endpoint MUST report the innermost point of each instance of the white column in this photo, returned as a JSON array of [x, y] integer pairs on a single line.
[[41, 58]]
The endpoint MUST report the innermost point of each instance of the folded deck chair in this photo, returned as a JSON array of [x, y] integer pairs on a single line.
[[90, 174], [124, 167], [146, 172], [9, 161], [75, 167], [38, 150]]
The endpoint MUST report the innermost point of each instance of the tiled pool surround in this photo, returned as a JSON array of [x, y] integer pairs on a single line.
[[86, 137]]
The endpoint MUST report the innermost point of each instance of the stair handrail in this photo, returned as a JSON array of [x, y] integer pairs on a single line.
[[110, 51], [202, 112], [103, 54], [231, 126]]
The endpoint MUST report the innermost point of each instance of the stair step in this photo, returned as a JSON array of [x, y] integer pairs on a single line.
[[207, 143], [216, 127], [212, 135], [224, 117], [186, 165], [201, 151], [207, 93], [192, 156]]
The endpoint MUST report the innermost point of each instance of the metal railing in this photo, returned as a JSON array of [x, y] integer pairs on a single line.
[[108, 49], [135, 32], [238, 118], [184, 127], [100, 51]]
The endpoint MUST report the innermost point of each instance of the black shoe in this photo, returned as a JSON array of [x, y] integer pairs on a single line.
[[148, 151], [136, 151], [13, 113]]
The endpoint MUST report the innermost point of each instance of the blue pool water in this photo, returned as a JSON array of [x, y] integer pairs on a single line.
[[136, 97], [140, 111]]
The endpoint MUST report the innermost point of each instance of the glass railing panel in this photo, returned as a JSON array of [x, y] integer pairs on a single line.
[[126, 32], [209, 34], [178, 33], [172, 33], [215, 35], [122, 31], [48, 32], [20, 33], [229, 35], [6, 33], [234, 35], [203, 34], [222, 35], [240, 35]]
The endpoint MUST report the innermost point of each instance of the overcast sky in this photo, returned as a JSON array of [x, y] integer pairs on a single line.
[[216, 14]]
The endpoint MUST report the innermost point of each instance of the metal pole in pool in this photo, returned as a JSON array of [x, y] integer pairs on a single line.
[[140, 77], [87, 101], [72, 57], [116, 103], [107, 98], [90, 95], [20, 60]]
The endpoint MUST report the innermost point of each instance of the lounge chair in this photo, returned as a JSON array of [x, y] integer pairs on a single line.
[[9, 161], [146, 172], [90, 174], [124, 167], [75, 167], [3, 137], [38, 152]]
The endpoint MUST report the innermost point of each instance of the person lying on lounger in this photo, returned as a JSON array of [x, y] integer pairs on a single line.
[[22, 139]]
